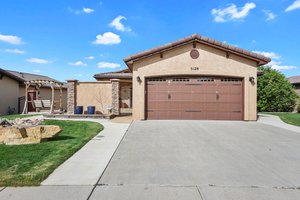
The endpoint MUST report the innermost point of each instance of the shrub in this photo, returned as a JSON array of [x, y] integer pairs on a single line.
[[274, 92]]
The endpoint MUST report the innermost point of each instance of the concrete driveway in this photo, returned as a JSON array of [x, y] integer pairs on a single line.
[[208, 160]]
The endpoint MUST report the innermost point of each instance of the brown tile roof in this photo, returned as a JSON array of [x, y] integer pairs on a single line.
[[261, 60], [122, 74], [294, 79]]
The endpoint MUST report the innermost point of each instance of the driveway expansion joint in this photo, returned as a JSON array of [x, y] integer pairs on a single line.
[[2, 189], [109, 162], [199, 191]]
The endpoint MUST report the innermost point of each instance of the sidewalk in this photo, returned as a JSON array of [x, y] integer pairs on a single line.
[[276, 121], [86, 166]]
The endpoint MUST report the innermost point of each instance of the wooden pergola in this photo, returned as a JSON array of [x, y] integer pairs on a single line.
[[38, 84]]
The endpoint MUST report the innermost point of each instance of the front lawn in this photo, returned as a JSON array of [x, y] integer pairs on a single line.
[[289, 118], [31, 164], [12, 117]]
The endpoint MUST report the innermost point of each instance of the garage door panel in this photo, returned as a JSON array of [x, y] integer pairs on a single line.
[[178, 87], [198, 88], [197, 106], [157, 96], [195, 98], [180, 96], [184, 105], [229, 98], [211, 107], [230, 107], [211, 115]]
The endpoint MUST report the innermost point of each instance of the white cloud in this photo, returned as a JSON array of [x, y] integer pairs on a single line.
[[232, 12], [271, 55], [107, 38], [16, 51], [278, 66], [270, 15], [77, 63], [88, 10], [89, 58], [293, 6], [84, 10], [108, 65], [116, 23], [11, 39], [276, 62], [36, 71], [38, 61]]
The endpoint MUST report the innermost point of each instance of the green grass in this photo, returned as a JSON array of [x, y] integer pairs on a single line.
[[289, 118], [27, 165], [12, 117]]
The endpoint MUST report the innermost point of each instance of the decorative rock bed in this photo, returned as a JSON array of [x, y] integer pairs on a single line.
[[26, 131]]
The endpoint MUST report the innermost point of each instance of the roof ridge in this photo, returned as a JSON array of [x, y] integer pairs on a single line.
[[202, 39]]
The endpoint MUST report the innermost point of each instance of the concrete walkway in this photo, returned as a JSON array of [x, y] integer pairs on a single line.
[[276, 121], [87, 165]]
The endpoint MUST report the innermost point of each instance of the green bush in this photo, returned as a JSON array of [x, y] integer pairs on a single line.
[[274, 92]]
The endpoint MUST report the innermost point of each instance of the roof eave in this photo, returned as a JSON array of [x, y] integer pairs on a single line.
[[12, 76]]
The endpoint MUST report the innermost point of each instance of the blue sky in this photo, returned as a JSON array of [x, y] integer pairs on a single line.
[[75, 39]]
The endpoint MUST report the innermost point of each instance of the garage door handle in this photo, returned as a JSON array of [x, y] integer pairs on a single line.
[[217, 95], [169, 96]]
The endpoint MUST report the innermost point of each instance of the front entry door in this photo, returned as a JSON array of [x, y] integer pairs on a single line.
[[31, 97]]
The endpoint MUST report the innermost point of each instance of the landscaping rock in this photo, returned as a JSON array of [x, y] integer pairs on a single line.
[[5, 122], [28, 135]]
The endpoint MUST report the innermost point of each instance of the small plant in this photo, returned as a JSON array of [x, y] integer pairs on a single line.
[[10, 110]]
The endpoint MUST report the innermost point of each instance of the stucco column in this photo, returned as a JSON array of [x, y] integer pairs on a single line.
[[71, 97], [115, 96]]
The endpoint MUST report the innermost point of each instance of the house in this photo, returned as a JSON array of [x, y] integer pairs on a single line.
[[12, 90], [295, 81], [192, 78]]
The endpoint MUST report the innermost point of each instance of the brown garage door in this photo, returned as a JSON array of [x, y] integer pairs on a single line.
[[217, 98]]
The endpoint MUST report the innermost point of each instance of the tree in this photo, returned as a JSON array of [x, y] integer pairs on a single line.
[[274, 92]]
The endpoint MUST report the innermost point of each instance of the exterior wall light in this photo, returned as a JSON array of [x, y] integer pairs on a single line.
[[251, 79], [138, 79]]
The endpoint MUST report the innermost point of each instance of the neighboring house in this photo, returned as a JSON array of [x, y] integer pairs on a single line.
[[192, 78], [12, 91], [295, 81]]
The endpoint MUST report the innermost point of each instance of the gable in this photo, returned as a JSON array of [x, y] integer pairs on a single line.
[[195, 40]]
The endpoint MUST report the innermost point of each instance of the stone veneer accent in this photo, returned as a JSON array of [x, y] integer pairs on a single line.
[[71, 98], [115, 96]]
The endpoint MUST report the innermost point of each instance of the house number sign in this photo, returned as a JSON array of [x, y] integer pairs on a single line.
[[194, 68]]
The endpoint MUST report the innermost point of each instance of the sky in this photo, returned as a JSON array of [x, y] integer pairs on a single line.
[[75, 39]]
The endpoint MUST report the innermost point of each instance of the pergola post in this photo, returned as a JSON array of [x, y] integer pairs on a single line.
[[52, 99], [25, 109], [60, 99]]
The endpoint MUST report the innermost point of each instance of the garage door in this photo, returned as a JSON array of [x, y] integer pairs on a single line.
[[215, 98]]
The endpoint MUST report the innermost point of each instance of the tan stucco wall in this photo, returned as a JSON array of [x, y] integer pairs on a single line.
[[210, 62], [45, 94], [9, 93], [97, 94]]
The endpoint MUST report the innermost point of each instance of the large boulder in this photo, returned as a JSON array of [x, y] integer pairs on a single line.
[[28, 135]]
